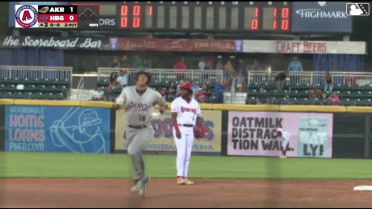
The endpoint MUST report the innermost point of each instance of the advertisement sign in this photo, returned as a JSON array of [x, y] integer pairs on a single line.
[[163, 139], [320, 16], [57, 42], [253, 134], [304, 47], [191, 45], [57, 129]]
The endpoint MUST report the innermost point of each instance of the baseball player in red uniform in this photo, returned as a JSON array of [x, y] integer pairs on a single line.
[[284, 136], [185, 114]]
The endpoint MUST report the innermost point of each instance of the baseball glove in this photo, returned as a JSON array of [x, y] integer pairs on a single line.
[[198, 133]]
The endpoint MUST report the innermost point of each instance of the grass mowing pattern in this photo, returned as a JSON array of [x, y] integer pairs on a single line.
[[66, 165]]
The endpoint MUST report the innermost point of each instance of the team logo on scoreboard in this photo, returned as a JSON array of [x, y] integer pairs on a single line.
[[26, 16], [44, 10]]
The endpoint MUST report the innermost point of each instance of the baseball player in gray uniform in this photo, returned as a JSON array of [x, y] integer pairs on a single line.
[[139, 101]]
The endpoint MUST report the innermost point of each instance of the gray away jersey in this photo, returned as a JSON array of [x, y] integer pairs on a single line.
[[138, 107]]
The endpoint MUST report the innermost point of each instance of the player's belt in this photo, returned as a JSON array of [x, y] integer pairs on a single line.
[[137, 127], [186, 125]]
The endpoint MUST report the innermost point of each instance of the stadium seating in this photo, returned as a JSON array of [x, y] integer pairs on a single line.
[[34, 88], [350, 95]]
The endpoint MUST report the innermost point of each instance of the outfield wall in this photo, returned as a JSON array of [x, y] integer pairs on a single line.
[[236, 130]]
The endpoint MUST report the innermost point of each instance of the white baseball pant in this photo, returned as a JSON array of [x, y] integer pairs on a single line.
[[285, 141], [184, 148]]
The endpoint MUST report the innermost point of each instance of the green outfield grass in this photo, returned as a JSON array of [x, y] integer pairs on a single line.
[[163, 166]]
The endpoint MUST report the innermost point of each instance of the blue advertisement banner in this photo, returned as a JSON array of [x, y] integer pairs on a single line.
[[57, 129], [320, 16]]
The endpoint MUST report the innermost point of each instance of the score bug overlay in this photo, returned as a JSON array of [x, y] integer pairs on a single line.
[[46, 16]]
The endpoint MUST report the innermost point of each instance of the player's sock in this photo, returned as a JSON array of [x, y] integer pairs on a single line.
[[285, 152]]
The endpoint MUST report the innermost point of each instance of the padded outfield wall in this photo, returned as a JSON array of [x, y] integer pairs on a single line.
[[234, 130]]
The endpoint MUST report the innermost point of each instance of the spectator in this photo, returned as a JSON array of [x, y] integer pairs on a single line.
[[324, 100], [179, 87], [219, 65], [239, 82], [335, 100], [280, 79], [295, 65], [180, 65], [163, 92], [314, 92], [98, 94], [218, 92], [172, 91], [328, 84], [202, 64], [112, 83], [122, 80], [255, 66], [209, 64], [203, 94], [286, 100], [243, 68], [124, 62], [261, 97], [195, 88], [228, 72], [137, 62], [115, 62]]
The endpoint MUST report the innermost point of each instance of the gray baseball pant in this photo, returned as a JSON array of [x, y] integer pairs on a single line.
[[137, 140]]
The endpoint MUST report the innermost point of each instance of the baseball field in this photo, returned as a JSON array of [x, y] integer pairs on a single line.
[[93, 180]]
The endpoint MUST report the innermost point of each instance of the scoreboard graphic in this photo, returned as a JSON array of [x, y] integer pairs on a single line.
[[46, 16], [260, 17]]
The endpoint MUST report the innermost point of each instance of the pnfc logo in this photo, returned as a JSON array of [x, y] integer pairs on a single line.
[[26, 16], [357, 9]]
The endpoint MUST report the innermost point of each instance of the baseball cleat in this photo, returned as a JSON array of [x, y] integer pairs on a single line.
[[283, 156], [143, 186], [136, 186], [181, 181], [188, 182]]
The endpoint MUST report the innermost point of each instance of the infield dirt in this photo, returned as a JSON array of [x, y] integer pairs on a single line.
[[214, 193]]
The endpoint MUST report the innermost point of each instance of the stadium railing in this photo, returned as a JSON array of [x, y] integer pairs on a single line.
[[342, 78], [166, 75]]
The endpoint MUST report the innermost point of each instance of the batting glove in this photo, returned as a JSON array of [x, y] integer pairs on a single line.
[[154, 115], [119, 101]]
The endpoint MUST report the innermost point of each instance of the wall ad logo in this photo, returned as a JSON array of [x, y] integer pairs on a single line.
[[57, 129], [26, 16]]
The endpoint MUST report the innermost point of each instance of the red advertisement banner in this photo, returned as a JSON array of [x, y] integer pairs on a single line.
[[191, 45]]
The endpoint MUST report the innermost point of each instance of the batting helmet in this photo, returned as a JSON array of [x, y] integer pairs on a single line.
[[186, 86], [144, 73]]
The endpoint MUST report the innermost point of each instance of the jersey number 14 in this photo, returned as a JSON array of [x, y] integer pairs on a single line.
[[141, 118]]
